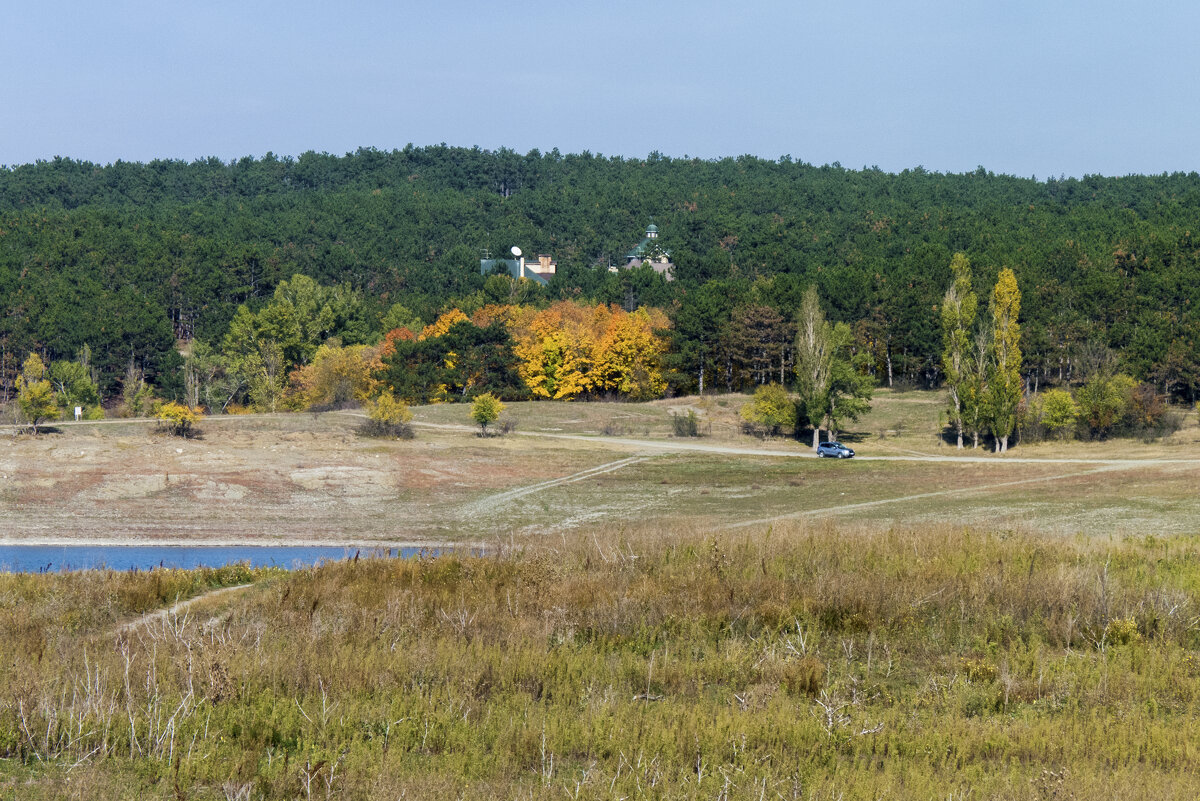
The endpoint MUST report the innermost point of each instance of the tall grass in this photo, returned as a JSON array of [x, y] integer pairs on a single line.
[[794, 662]]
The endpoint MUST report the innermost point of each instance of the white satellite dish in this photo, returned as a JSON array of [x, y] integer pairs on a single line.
[[516, 251]]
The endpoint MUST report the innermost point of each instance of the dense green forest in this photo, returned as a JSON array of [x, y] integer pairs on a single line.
[[130, 258]]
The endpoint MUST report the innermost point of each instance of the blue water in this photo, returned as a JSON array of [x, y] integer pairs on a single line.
[[56, 558]]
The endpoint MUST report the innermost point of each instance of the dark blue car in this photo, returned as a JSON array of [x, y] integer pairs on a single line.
[[834, 449]]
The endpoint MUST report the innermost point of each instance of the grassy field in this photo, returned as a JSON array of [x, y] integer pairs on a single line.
[[717, 617], [822, 661]]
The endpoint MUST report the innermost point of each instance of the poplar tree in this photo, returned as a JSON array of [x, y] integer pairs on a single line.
[[814, 360], [1003, 392], [958, 317], [978, 360]]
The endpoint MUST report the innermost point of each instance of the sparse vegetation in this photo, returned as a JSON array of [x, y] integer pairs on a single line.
[[685, 425]]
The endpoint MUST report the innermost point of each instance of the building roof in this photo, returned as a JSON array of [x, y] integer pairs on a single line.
[[643, 247], [513, 266]]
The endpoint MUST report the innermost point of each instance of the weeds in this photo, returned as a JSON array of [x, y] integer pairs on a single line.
[[814, 662]]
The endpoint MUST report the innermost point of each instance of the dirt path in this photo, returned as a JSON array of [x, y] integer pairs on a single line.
[[175, 609], [484, 504], [680, 446]]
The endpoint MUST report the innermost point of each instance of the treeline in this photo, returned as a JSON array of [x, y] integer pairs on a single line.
[[311, 347], [130, 259]]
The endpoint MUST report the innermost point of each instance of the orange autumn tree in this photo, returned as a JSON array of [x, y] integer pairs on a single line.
[[388, 346]]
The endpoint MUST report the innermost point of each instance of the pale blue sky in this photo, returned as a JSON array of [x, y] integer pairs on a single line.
[[1028, 88]]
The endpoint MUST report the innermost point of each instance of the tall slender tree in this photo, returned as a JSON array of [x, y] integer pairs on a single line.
[[814, 360], [978, 360], [958, 318], [1003, 392]]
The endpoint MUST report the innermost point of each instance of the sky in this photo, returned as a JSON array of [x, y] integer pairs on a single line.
[[1042, 88]]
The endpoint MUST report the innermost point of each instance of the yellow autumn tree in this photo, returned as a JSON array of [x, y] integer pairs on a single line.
[[337, 375], [628, 357], [556, 351], [442, 324], [1004, 386]]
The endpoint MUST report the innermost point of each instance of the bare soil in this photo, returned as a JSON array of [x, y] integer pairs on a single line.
[[308, 479]]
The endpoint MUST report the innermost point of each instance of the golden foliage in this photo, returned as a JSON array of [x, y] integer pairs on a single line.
[[179, 418], [444, 323], [569, 350], [337, 375]]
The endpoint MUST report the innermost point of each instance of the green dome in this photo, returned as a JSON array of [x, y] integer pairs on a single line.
[[652, 228]]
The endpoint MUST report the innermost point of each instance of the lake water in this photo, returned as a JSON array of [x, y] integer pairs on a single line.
[[40, 559]]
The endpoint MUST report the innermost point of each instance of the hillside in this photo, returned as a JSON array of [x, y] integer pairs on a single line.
[[128, 258]]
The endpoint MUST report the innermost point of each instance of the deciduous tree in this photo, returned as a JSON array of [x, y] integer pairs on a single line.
[[485, 410], [772, 408], [1003, 391], [814, 360], [35, 393], [958, 320]]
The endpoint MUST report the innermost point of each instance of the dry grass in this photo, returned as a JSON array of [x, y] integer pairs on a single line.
[[810, 661], [293, 478]]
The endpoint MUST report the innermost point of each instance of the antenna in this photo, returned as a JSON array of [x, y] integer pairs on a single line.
[[516, 251]]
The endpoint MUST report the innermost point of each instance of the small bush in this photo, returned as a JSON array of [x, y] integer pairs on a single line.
[[685, 425], [1059, 412], [485, 410], [387, 417], [1122, 631], [612, 429], [179, 419]]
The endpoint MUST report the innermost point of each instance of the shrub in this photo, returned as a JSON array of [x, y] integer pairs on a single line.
[[387, 417], [1104, 403], [772, 408], [685, 425], [1029, 419], [179, 419], [1059, 412], [137, 396], [485, 410]]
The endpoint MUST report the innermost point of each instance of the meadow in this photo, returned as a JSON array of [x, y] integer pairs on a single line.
[[809, 661], [647, 621]]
